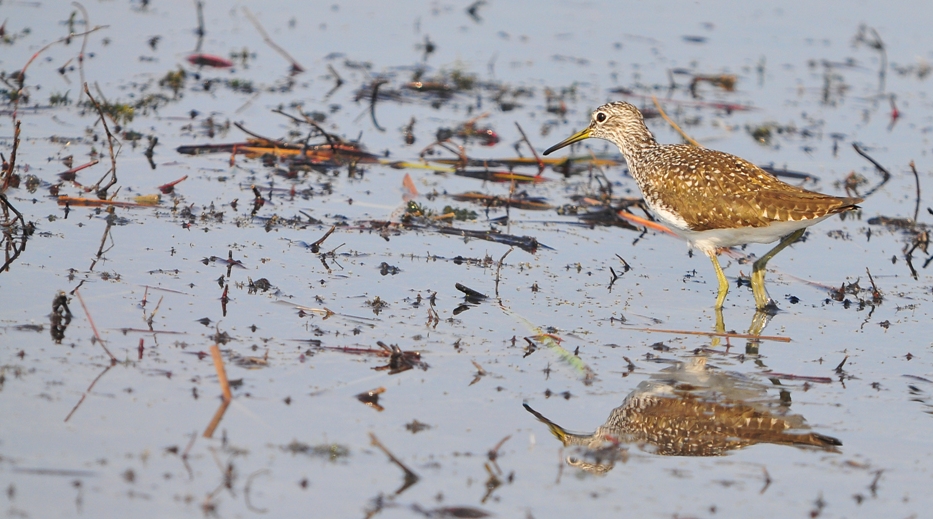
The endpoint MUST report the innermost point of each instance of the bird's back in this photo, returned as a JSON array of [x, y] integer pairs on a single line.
[[699, 189]]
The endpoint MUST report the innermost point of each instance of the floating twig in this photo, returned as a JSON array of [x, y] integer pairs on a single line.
[[775, 338], [895, 113], [674, 125], [103, 240], [88, 390], [528, 244], [877, 44], [885, 174], [532, 148], [473, 10], [221, 372], [788, 376], [410, 477], [102, 191], [372, 102], [200, 31], [873, 487], [209, 60], [471, 294], [480, 372], [186, 452], [493, 453], [81, 54], [921, 241], [10, 167], [371, 398], [338, 81], [841, 364], [400, 361], [170, 186], [27, 230], [274, 142], [332, 140], [913, 169], [91, 202], [215, 420], [249, 483], [69, 174], [876, 296], [125, 331], [113, 360], [22, 73], [463, 160], [647, 223], [499, 268], [150, 151], [316, 246], [225, 390], [767, 480], [296, 68]]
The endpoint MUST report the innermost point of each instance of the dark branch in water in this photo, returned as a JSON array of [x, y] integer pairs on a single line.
[[913, 169], [885, 174], [372, 102], [102, 191]]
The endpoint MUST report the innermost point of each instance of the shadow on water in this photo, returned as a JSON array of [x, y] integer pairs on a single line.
[[690, 409]]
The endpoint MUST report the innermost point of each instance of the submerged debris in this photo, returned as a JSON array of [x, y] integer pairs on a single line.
[[400, 361], [371, 398], [333, 452]]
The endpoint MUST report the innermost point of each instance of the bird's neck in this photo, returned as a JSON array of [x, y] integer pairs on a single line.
[[634, 145]]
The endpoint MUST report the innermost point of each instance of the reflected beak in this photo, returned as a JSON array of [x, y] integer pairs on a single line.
[[577, 137], [559, 432]]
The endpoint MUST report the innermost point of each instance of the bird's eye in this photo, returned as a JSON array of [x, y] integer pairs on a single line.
[[600, 117]]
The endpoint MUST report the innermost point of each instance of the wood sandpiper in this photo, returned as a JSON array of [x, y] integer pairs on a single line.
[[710, 198]]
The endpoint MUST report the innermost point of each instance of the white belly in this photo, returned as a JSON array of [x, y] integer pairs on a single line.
[[711, 240]]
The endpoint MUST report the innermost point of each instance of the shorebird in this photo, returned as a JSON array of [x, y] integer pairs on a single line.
[[710, 198]]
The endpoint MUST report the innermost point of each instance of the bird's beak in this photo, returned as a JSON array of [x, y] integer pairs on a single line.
[[577, 137], [559, 432]]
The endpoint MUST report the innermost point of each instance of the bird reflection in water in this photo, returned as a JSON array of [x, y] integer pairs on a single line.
[[690, 409]]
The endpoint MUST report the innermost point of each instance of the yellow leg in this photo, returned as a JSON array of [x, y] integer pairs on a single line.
[[759, 321], [720, 322], [721, 277], [758, 269], [720, 327]]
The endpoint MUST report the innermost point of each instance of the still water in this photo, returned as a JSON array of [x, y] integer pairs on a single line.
[[493, 417]]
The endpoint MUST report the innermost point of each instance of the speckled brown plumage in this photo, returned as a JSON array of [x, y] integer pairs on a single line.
[[690, 410], [710, 189], [695, 189], [685, 425], [710, 198]]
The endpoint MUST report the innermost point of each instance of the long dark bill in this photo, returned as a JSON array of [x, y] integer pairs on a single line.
[[577, 137]]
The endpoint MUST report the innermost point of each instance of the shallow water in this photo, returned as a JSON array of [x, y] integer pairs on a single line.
[[82, 435]]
